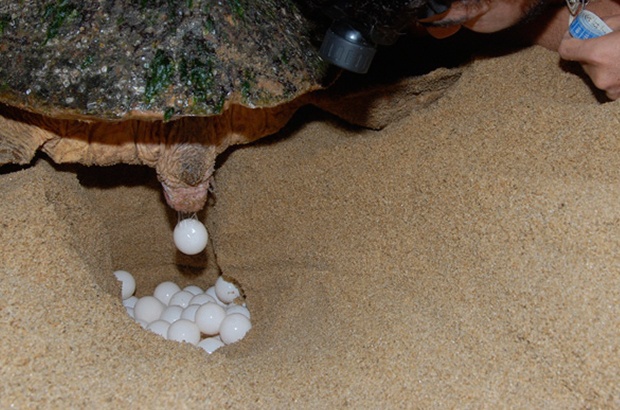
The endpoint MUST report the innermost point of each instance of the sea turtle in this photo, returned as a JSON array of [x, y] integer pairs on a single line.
[[169, 84]]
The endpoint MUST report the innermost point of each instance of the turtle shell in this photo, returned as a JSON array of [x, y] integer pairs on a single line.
[[154, 59]]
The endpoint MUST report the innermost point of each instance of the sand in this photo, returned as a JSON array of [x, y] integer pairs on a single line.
[[466, 255]]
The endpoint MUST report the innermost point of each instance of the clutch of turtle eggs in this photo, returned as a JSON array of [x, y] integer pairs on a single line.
[[208, 319]]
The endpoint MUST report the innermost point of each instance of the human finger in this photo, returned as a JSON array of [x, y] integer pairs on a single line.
[[598, 50], [575, 49], [572, 49], [612, 21]]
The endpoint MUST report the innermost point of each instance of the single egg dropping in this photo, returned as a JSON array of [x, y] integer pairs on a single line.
[[128, 283], [234, 327], [190, 236], [184, 330]]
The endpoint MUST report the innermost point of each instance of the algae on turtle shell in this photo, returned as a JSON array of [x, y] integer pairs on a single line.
[[157, 59], [166, 84]]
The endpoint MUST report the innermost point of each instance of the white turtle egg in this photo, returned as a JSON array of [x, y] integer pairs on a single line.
[[171, 314], [211, 292], [184, 330], [193, 289], [128, 283], [130, 302], [165, 290], [234, 327], [226, 291], [159, 327], [190, 236], [210, 344], [201, 299], [209, 317], [238, 309], [148, 309], [189, 312], [181, 298]]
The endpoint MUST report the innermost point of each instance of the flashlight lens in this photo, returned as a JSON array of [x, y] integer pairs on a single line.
[[346, 47]]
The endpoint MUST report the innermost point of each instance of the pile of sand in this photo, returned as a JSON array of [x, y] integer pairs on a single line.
[[466, 255]]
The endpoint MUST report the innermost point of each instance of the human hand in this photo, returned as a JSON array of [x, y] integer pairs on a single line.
[[599, 57]]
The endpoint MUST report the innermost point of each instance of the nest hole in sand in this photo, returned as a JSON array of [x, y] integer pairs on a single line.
[[129, 201]]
